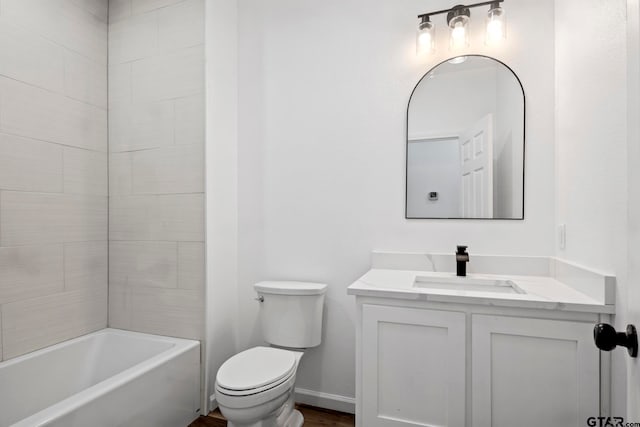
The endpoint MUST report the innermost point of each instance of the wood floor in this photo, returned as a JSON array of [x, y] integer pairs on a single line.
[[313, 417]]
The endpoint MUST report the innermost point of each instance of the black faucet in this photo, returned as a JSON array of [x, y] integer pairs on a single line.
[[462, 258]]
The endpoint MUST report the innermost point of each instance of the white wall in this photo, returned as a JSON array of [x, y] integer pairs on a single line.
[[591, 138], [323, 90], [221, 186], [508, 152]]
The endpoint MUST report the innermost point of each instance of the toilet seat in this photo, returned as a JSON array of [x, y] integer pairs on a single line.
[[250, 392], [256, 376], [256, 368]]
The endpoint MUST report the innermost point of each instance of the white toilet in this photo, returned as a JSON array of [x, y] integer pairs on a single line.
[[255, 388]]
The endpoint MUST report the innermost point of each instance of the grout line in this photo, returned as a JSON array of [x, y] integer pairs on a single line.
[[46, 89], [64, 267], [1, 191], [1, 334], [5, 132], [108, 176], [63, 174], [161, 54]]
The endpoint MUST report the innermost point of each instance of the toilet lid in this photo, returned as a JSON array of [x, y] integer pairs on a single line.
[[256, 367]]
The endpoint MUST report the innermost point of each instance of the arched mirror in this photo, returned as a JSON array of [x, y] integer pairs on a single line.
[[465, 142]]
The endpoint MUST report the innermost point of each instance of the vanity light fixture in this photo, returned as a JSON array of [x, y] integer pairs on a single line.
[[496, 24], [458, 18], [426, 36]]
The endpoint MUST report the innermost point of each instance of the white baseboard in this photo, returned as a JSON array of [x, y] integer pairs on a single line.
[[313, 398], [213, 403], [326, 400]]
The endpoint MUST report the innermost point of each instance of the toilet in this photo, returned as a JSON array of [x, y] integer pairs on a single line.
[[255, 388]]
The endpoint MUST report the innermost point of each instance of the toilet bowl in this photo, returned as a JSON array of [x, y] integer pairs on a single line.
[[255, 388]]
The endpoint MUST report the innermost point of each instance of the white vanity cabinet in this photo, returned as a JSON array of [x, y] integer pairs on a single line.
[[464, 365], [413, 367], [533, 372]]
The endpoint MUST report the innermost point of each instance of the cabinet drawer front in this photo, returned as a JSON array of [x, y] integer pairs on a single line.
[[533, 372], [413, 367]]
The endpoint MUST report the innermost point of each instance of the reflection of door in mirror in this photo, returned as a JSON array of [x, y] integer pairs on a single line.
[[476, 159], [473, 108]]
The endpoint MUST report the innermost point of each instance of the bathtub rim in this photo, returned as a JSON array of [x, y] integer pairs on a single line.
[[82, 397]]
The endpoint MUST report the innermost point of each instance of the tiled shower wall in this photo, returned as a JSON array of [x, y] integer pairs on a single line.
[[156, 166], [53, 171]]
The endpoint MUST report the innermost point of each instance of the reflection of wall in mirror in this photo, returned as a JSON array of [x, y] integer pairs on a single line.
[[508, 152], [473, 88], [433, 165]]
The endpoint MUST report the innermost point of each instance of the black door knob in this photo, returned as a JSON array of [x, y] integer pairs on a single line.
[[607, 338]]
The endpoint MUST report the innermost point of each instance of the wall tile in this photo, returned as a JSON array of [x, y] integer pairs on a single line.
[[178, 217], [152, 264], [53, 139], [119, 85], [63, 22], [133, 38], [30, 58], [120, 174], [35, 323], [30, 271], [177, 169], [37, 113], [143, 6], [141, 126], [191, 265], [120, 307], [85, 172], [156, 140], [34, 218], [181, 25], [173, 312], [169, 76], [98, 8], [119, 9], [85, 80], [85, 265], [189, 120], [30, 165]]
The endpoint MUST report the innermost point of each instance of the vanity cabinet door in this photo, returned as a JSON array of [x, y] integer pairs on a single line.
[[533, 372], [413, 367]]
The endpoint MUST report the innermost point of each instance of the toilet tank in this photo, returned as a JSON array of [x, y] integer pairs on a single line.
[[291, 313]]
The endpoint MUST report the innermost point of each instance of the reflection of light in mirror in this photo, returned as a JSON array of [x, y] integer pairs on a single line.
[[457, 60]]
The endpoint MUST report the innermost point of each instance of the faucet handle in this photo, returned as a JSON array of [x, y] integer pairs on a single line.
[[462, 249]]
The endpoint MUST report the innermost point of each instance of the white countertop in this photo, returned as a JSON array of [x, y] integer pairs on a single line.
[[541, 292]]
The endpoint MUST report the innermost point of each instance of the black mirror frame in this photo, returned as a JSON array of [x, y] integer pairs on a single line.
[[524, 145]]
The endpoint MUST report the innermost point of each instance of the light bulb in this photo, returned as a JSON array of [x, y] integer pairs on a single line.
[[496, 25], [425, 37], [458, 20], [458, 35]]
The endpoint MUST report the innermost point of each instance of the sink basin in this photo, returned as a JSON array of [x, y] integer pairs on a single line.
[[467, 284]]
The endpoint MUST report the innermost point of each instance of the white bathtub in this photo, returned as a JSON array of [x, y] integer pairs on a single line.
[[107, 378]]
